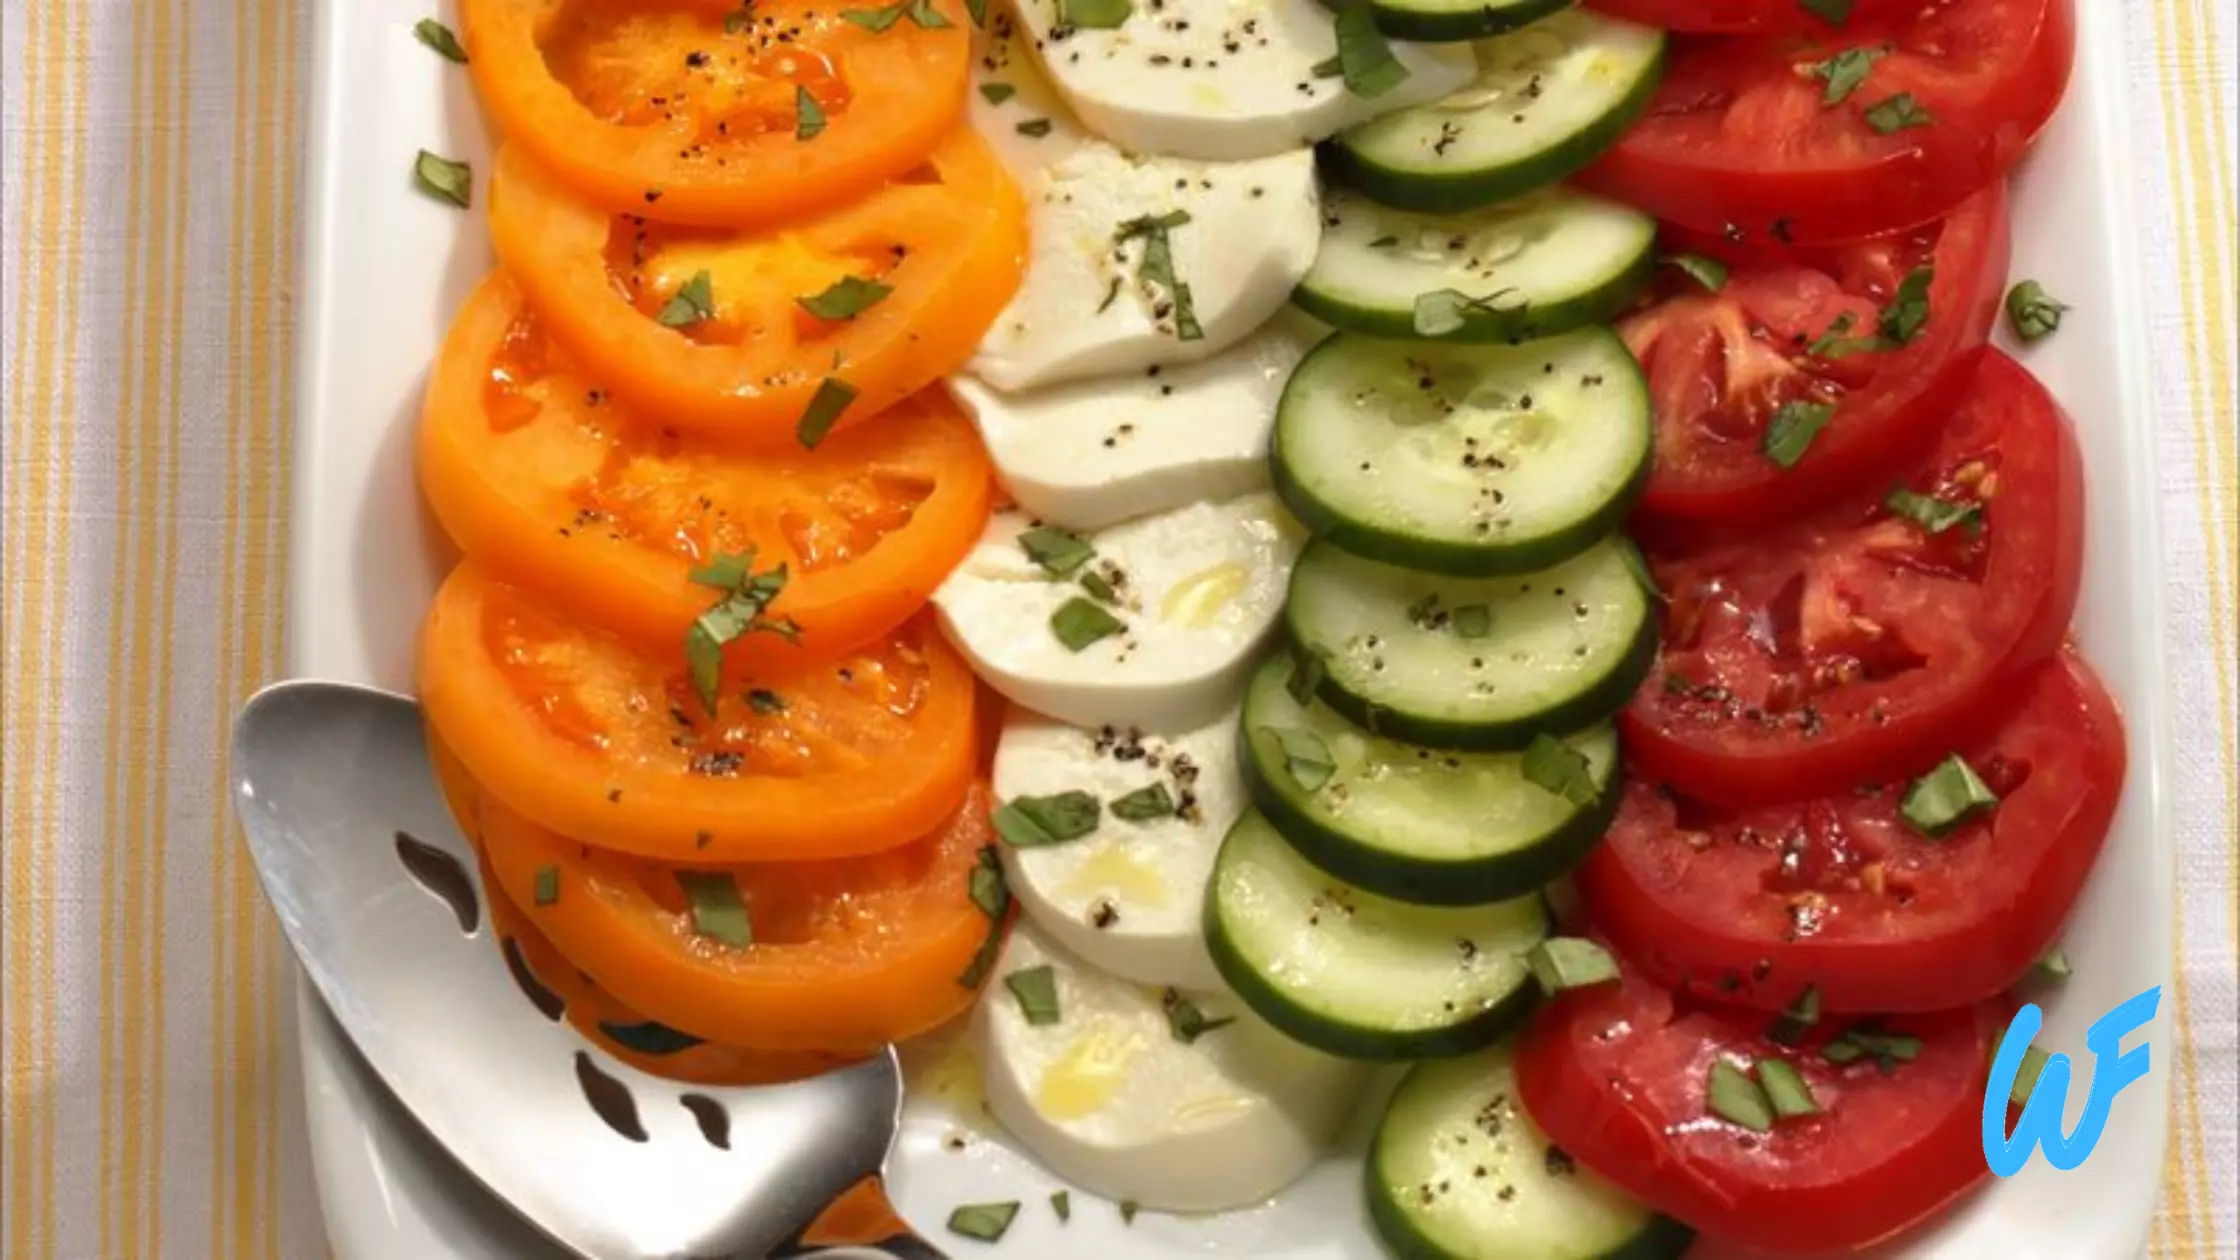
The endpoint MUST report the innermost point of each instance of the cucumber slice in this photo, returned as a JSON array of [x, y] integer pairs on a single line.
[[1357, 975], [1458, 1171], [1548, 99], [1446, 21], [1434, 828], [1471, 460], [1541, 264], [1482, 664]]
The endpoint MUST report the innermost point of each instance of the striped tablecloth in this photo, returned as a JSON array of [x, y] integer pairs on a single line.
[[152, 157]]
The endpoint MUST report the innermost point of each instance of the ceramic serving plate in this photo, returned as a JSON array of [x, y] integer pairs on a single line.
[[384, 267]]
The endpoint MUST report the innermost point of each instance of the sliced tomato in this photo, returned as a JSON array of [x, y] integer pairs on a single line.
[[1617, 1076], [545, 481], [1861, 644], [693, 111], [739, 355], [1841, 896], [847, 955], [1802, 330], [613, 746], [1747, 17], [1743, 135]]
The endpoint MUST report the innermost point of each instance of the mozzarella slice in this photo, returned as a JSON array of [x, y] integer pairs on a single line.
[[1242, 235], [1220, 79], [1111, 1100], [1092, 453], [1013, 106], [1129, 897], [1198, 588]]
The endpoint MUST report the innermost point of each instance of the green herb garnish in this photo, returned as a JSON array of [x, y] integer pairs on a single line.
[[1036, 989], [1844, 72], [2033, 313], [746, 597], [1156, 270], [1365, 60], [846, 298], [1556, 767], [1081, 621], [984, 1222], [694, 300], [717, 911], [1735, 1097], [1569, 962], [1708, 272], [1056, 551], [442, 177], [1786, 1090], [1095, 15], [1146, 804], [439, 37], [1790, 433], [832, 398], [1932, 514], [1946, 797], [1186, 1021], [1033, 822], [808, 116], [997, 93], [1897, 113], [548, 885]]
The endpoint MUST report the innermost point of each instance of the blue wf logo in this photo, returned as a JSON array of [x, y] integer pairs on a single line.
[[2113, 1067]]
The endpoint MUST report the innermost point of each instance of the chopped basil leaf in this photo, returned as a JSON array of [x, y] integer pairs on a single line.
[[1841, 1051], [439, 37], [740, 20], [1946, 797], [746, 597], [1865, 1039], [1708, 272], [1032, 822], [1100, 587], [1837, 342], [989, 892], [985, 1222], [442, 177], [1095, 15], [1569, 962], [1062, 1203], [1111, 295], [1834, 12], [1384, 242], [1556, 767], [1932, 514], [1786, 1090], [1305, 757], [1308, 668], [1186, 1021], [832, 398], [1156, 272], [1365, 60], [1844, 72], [1908, 312], [977, 10], [919, 12], [923, 14], [1798, 1019], [808, 116], [2026, 1075], [1080, 622], [1471, 621], [1128, 1210], [765, 701], [1789, 434], [1036, 989], [1058, 552], [1897, 113], [847, 298], [2033, 313], [1146, 804], [1424, 613], [649, 1038], [1034, 128], [1734, 1097], [717, 912], [694, 300], [2054, 965], [548, 885], [997, 93]]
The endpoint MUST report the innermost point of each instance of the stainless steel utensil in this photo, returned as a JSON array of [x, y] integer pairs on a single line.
[[382, 899]]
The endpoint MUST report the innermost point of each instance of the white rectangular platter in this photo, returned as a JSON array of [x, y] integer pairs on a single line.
[[385, 266]]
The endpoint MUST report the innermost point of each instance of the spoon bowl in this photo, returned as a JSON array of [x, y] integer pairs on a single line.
[[382, 900]]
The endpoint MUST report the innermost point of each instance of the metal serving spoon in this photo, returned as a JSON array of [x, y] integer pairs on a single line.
[[382, 900]]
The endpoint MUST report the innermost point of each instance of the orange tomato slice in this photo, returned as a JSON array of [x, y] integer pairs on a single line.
[[715, 112], [543, 480], [847, 955], [588, 735], [743, 358]]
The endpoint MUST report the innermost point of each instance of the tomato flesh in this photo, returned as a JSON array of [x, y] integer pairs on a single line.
[[1737, 17], [1859, 645], [1742, 137], [1617, 1076], [1801, 328], [1841, 896]]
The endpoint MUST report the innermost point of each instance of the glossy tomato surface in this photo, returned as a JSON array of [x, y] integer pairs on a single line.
[[1862, 643], [1617, 1076], [1884, 123], [1840, 895], [1742, 17], [1838, 336]]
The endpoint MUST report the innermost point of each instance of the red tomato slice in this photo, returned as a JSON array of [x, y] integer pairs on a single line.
[[1617, 1076], [1862, 644], [1840, 895], [1800, 328], [1738, 17], [1742, 135]]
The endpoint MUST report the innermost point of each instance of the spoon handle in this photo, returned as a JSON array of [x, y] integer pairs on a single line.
[[861, 1223]]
